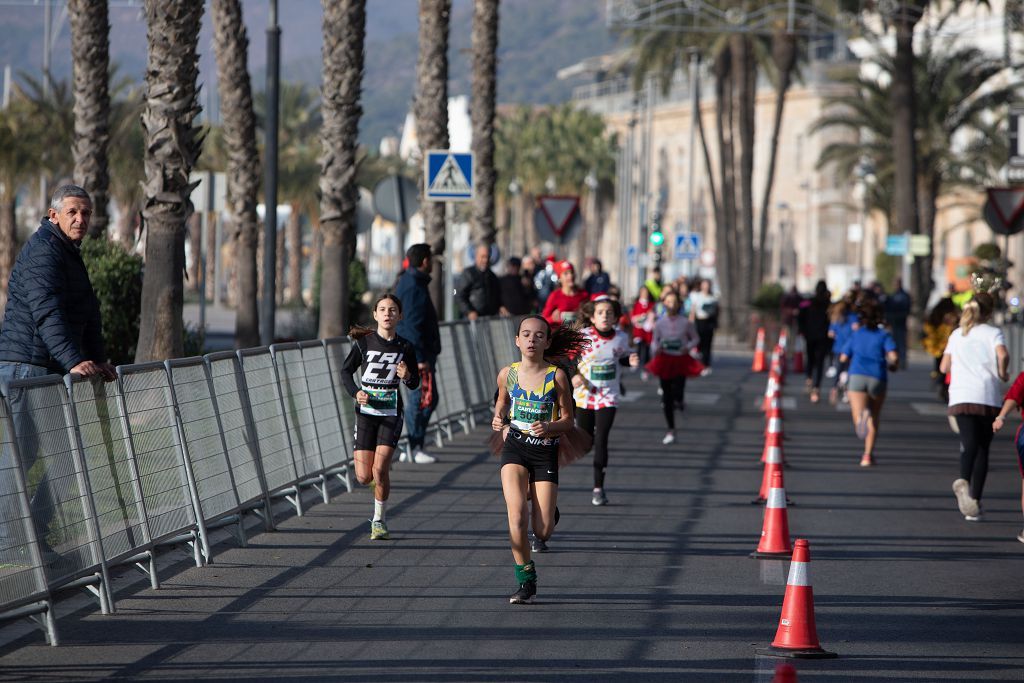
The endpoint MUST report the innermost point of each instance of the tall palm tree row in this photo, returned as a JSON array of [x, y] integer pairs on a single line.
[[956, 133], [485, 73], [90, 62], [173, 144], [19, 132], [243, 164], [431, 113], [344, 34]]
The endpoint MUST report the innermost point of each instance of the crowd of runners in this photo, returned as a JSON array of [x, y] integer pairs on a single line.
[[558, 402], [862, 337]]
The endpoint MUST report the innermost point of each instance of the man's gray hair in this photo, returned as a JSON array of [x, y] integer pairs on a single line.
[[57, 200]]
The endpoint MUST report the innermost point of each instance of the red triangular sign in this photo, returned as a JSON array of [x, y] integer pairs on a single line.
[[1008, 203], [558, 210]]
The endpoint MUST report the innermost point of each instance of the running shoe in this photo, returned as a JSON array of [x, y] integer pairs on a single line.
[[831, 372], [670, 437], [378, 531], [538, 545], [705, 372], [599, 497], [866, 460], [974, 518], [524, 596], [968, 506], [1020, 536], [862, 424], [421, 457]]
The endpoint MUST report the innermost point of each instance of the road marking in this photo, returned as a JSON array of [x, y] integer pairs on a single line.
[[788, 403], [929, 409]]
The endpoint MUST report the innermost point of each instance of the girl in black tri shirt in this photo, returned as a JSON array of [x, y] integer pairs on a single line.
[[382, 359]]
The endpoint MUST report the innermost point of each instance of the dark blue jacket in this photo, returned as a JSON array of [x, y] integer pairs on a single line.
[[52, 317], [419, 317]]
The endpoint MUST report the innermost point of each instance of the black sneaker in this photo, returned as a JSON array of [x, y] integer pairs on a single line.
[[538, 545], [524, 595]]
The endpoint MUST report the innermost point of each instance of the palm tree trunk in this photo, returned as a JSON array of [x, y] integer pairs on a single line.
[[904, 146], [485, 47], [431, 109], [784, 56], [90, 63], [172, 147], [725, 228], [8, 243], [126, 228], [195, 246], [295, 256], [745, 83], [344, 33], [243, 168]]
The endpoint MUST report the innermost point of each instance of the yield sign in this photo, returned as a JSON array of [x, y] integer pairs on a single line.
[[1004, 209], [558, 210]]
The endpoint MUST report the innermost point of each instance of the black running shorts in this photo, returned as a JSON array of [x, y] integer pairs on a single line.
[[539, 458], [375, 430]]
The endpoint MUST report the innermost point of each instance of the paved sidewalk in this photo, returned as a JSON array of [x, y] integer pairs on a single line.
[[657, 586]]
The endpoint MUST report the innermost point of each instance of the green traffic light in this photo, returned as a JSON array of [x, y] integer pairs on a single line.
[[657, 238]]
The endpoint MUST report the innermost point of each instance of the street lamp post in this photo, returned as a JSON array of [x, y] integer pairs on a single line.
[[270, 185]]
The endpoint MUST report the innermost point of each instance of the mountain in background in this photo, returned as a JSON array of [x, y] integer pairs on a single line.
[[537, 38]]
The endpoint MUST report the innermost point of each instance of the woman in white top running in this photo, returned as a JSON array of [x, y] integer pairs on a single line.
[[704, 314], [977, 361]]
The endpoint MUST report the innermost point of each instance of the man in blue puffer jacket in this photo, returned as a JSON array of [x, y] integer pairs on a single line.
[[51, 324]]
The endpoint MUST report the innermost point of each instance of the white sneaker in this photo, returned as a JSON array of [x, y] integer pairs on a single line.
[[670, 437], [968, 506], [421, 457], [1020, 537], [705, 372]]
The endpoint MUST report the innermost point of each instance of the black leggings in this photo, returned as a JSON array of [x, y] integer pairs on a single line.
[[817, 353], [597, 423], [672, 394], [975, 439], [706, 332]]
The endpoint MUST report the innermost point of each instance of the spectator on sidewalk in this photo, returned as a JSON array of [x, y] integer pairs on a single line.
[[516, 297], [478, 292], [598, 281], [419, 326], [897, 310], [51, 326]]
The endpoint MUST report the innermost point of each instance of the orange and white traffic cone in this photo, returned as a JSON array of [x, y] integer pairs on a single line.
[[798, 353], [773, 418], [773, 440], [771, 389], [797, 635], [759, 360], [778, 364], [773, 462], [774, 541]]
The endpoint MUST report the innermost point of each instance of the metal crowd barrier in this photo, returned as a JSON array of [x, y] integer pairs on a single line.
[[95, 475]]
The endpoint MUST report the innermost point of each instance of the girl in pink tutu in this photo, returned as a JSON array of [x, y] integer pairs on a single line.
[[673, 339], [534, 412]]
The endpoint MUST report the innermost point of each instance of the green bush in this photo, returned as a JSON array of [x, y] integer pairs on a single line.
[[769, 297], [988, 251], [116, 278]]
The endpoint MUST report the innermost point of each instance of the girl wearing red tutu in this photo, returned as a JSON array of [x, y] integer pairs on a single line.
[[534, 413], [673, 338]]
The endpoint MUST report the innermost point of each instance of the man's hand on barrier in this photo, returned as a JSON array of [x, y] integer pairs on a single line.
[[362, 398], [87, 368], [109, 373]]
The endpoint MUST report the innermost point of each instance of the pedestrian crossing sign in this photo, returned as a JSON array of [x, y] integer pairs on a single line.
[[448, 176], [687, 246]]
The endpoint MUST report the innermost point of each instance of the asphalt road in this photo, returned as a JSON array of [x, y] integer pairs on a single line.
[[657, 586]]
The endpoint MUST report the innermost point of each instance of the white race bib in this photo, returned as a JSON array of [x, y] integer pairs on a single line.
[[603, 373], [383, 402]]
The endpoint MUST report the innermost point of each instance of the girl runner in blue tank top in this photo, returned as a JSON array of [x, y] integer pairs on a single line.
[[535, 404]]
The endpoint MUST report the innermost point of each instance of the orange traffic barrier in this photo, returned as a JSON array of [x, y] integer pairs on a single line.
[[774, 541], [799, 348], [759, 360], [797, 635]]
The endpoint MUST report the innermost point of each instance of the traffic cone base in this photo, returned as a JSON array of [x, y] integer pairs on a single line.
[[809, 653]]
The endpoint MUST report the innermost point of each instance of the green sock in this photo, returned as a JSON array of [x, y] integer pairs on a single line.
[[526, 572]]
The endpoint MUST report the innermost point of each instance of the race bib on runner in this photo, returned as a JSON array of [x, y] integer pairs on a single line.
[[672, 345], [602, 373], [525, 412], [383, 402]]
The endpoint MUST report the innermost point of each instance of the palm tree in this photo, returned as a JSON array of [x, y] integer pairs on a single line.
[[485, 59], [965, 89], [243, 161], [431, 110], [344, 34], [173, 144], [19, 138], [127, 149], [90, 61]]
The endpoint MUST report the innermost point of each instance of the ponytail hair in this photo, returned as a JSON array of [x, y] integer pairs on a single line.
[[976, 312], [359, 331], [567, 342]]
